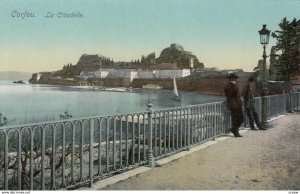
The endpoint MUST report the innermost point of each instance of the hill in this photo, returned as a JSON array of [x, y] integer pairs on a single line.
[[176, 54], [173, 57]]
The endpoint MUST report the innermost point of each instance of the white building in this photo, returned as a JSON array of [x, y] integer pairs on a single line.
[[143, 74], [146, 74], [123, 73], [133, 75], [103, 73], [87, 74], [177, 73]]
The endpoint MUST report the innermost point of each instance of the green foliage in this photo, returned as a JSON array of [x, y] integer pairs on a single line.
[[107, 62], [288, 43], [149, 59], [69, 71], [3, 120], [66, 115]]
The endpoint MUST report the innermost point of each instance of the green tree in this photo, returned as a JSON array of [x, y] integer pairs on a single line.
[[3, 121], [288, 43], [149, 59]]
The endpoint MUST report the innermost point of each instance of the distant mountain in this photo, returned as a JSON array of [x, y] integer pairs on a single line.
[[177, 55], [15, 75]]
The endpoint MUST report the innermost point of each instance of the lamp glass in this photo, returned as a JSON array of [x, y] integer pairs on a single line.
[[264, 34]]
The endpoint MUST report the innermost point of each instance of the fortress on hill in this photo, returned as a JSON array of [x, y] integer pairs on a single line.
[[173, 61]]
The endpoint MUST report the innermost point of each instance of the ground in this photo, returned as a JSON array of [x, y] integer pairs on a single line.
[[260, 160]]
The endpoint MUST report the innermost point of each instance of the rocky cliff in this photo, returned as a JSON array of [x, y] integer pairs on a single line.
[[85, 63], [176, 54], [90, 62]]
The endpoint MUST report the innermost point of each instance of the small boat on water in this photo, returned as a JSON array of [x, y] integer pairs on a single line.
[[83, 87], [19, 82], [115, 89], [176, 95]]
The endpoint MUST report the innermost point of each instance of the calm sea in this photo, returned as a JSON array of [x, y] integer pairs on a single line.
[[25, 103]]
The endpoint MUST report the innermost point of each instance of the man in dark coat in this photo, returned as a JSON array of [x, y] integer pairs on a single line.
[[249, 105], [234, 104]]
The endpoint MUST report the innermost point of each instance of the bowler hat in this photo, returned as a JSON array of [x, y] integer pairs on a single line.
[[232, 75]]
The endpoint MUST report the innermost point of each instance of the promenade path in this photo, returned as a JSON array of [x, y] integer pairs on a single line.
[[260, 160]]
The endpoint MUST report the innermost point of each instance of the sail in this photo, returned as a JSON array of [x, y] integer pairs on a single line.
[[38, 76], [175, 87]]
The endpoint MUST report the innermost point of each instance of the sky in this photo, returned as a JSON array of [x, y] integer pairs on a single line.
[[221, 33]]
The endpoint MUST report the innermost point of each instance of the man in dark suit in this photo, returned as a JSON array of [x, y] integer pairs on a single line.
[[234, 104], [249, 105]]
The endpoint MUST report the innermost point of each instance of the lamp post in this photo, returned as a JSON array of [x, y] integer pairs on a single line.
[[264, 34]]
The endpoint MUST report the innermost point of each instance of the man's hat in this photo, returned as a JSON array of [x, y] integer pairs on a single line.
[[232, 75]]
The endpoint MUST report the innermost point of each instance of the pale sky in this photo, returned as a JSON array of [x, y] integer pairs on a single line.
[[221, 33]]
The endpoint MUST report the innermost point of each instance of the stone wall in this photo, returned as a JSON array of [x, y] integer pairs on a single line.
[[208, 85]]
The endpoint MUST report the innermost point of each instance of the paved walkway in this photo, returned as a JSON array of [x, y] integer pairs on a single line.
[[261, 160]]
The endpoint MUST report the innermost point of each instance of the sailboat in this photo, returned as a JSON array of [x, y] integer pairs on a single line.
[[175, 91]]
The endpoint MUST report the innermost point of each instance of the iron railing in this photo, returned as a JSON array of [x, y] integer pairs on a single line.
[[71, 153], [277, 105]]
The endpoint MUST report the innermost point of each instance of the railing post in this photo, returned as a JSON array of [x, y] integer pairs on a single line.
[[63, 153], [277, 104], [284, 102], [6, 158], [150, 151], [297, 103], [53, 158], [298, 94], [31, 159], [290, 103], [294, 101], [19, 158], [43, 159], [214, 122], [189, 115], [264, 111], [91, 152]]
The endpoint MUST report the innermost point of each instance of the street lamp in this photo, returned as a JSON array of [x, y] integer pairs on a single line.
[[264, 34]]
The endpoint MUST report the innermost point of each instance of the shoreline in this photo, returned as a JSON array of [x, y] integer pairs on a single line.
[[210, 86], [123, 89]]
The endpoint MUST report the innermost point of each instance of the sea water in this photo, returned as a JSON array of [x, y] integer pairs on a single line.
[[27, 103]]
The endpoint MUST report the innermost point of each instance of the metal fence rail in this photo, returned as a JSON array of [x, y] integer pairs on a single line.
[[179, 128], [70, 153], [277, 105], [293, 101]]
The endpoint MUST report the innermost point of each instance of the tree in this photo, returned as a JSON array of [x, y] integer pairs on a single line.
[[149, 59], [288, 43], [4, 122]]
